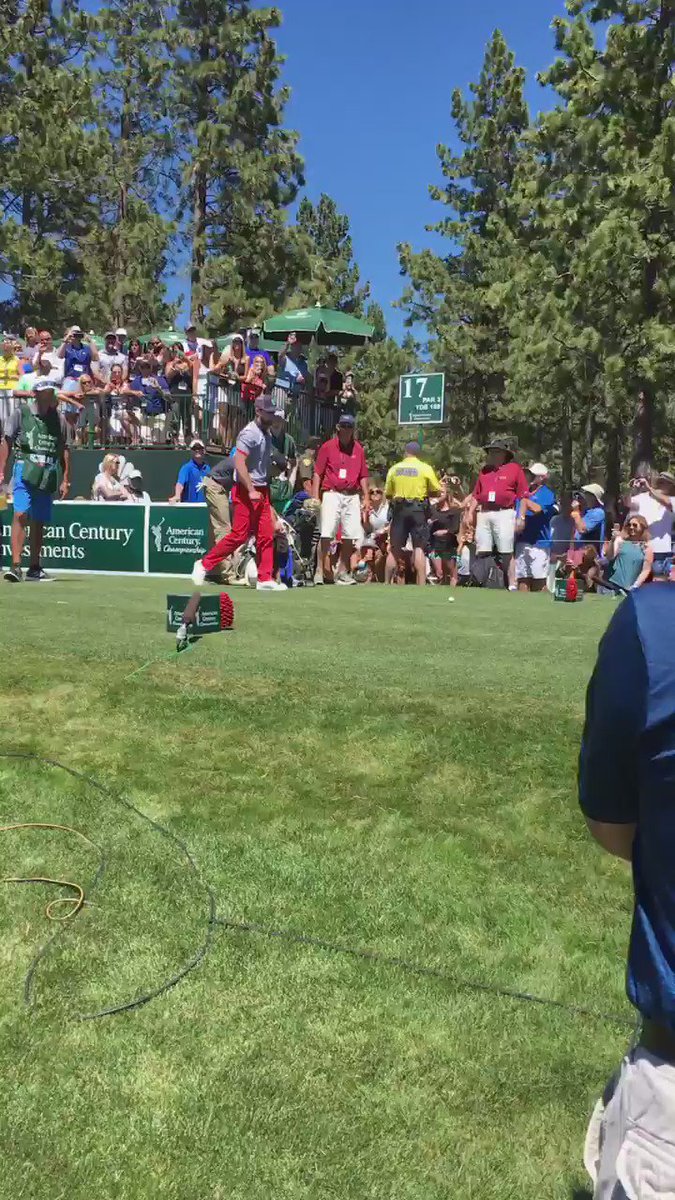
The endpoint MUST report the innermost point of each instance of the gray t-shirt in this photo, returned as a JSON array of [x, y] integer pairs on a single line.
[[257, 446]]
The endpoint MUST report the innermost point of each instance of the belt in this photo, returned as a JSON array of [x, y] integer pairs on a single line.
[[659, 1040], [407, 500], [497, 508]]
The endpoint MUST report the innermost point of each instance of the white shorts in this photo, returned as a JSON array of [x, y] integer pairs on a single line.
[[630, 1144], [496, 530], [532, 562], [337, 509], [464, 564]]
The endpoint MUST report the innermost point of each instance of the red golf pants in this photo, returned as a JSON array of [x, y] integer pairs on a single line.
[[248, 517]]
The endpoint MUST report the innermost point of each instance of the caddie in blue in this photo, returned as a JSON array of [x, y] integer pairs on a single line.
[[627, 794], [37, 434]]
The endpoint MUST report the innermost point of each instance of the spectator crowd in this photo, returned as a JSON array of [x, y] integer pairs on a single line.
[[129, 393]]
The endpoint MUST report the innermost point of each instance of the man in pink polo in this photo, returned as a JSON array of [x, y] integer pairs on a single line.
[[341, 482], [498, 500]]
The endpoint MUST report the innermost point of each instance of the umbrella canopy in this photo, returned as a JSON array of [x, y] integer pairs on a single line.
[[329, 326]]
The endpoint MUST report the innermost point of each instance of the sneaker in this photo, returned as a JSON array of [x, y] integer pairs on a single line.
[[270, 585], [14, 575], [345, 579], [513, 587], [37, 575], [318, 579], [198, 573]]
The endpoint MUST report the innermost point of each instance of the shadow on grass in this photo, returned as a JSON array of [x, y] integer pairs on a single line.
[[581, 1194]]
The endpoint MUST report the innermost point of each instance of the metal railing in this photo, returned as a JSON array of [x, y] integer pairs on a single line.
[[217, 416]]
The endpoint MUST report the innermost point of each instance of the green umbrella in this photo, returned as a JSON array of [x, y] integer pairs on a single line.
[[329, 326]]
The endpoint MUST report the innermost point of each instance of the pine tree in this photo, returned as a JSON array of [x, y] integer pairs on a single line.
[[334, 280], [48, 144], [241, 167], [596, 299], [452, 295], [126, 249]]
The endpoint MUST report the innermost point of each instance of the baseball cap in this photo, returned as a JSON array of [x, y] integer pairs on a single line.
[[594, 489], [347, 421], [537, 468], [266, 404], [44, 385], [412, 448], [121, 333], [110, 334], [196, 442], [668, 476], [75, 329], [189, 326], [280, 412], [254, 333]]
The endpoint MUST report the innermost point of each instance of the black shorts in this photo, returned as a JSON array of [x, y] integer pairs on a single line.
[[409, 520]]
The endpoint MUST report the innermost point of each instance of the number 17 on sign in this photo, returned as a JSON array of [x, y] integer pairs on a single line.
[[421, 399]]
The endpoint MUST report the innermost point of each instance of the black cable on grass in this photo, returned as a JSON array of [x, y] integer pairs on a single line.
[[412, 968], [196, 958], [287, 935]]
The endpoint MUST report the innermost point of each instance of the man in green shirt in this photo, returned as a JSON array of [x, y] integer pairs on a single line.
[[36, 432]]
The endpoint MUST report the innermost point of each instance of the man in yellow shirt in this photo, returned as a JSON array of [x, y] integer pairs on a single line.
[[409, 485]]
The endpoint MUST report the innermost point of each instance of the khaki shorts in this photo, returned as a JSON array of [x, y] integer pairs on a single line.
[[338, 509], [630, 1144], [496, 530]]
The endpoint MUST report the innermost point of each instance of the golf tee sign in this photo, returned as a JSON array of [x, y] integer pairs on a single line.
[[421, 399]]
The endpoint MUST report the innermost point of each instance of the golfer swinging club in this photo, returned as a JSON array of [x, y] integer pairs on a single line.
[[252, 511]]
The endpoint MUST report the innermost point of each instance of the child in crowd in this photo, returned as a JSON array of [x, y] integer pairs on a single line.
[[465, 547]]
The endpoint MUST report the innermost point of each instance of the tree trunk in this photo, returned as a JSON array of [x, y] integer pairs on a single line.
[[588, 448], [613, 465], [567, 448], [642, 462], [198, 243]]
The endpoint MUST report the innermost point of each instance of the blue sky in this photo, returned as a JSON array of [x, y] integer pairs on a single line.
[[371, 83]]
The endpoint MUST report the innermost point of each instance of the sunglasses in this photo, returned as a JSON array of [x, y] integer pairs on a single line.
[[376, 491]]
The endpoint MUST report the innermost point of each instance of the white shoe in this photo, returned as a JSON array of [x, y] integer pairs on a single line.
[[345, 579], [198, 573], [513, 587], [270, 585]]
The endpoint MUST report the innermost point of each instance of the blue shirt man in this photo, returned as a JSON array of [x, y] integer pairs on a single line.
[[589, 517], [627, 794], [537, 529], [190, 483]]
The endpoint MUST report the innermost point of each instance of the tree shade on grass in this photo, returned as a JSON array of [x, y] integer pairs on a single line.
[[378, 768]]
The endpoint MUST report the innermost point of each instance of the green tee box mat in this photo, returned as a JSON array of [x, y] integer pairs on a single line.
[[214, 614]]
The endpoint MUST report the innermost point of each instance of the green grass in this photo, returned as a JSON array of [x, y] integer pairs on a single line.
[[374, 767]]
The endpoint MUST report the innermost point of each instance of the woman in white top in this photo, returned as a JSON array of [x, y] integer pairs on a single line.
[[656, 502], [371, 557], [106, 484]]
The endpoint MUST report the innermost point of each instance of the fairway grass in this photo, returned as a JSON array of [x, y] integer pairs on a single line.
[[378, 768]]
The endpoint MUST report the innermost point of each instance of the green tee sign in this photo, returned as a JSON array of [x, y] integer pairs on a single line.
[[178, 534], [421, 399]]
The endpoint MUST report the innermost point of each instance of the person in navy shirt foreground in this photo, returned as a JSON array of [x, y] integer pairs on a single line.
[[627, 794]]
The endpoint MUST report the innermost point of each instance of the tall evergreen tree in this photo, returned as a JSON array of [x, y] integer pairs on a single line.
[[126, 249], [48, 144], [335, 276], [241, 167], [452, 295]]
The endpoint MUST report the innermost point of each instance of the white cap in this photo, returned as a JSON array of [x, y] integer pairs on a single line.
[[121, 333], [197, 442], [75, 329], [595, 490], [280, 412], [537, 469]]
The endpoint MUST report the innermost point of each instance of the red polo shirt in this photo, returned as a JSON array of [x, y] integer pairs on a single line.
[[501, 487], [341, 470]]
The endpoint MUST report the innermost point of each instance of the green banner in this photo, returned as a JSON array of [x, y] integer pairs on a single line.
[[178, 534], [207, 619], [88, 537]]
